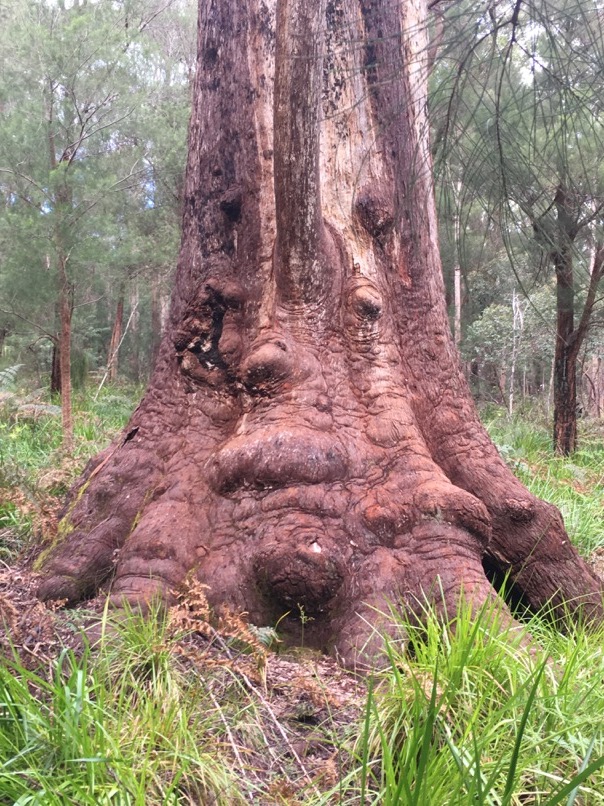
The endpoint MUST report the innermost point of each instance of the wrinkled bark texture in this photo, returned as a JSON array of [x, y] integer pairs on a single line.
[[308, 440]]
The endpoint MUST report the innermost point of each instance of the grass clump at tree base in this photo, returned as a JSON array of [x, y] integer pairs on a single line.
[[476, 715]]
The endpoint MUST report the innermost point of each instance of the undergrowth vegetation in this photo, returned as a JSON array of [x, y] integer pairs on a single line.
[[478, 715], [34, 471], [190, 707], [574, 484], [124, 726]]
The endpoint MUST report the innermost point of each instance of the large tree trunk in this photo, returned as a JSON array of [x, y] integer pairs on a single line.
[[565, 354], [569, 339], [308, 440]]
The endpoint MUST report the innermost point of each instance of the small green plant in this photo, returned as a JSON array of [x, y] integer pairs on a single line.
[[304, 620], [8, 376], [15, 525]]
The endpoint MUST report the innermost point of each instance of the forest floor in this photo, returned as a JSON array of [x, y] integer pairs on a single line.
[[198, 708], [304, 705]]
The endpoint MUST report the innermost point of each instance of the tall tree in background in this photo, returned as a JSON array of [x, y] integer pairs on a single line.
[[94, 101], [523, 118], [308, 444], [70, 86]]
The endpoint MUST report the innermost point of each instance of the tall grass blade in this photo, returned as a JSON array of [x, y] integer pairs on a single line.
[[511, 776], [365, 742], [572, 788]]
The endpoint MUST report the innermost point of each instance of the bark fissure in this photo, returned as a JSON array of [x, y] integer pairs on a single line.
[[308, 442], [301, 267]]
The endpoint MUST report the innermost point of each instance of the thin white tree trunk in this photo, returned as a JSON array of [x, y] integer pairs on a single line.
[[517, 338]]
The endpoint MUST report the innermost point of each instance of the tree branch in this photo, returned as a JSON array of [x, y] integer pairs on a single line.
[[597, 272], [27, 179], [35, 325]]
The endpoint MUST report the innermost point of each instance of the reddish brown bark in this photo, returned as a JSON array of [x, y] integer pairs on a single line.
[[308, 439], [116, 338], [569, 339]]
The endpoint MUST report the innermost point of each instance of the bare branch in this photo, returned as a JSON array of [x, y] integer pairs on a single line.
[[27, 179], [35, 325], [596, 274], [145, 23]]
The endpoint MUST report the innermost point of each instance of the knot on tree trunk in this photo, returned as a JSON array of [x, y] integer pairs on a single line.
[[303, 574]]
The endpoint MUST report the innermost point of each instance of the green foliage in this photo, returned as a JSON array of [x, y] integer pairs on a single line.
[[30, 445], [95, 101], [493, 337], [476, 713], [122, 727], [479, 715], [8, 377], [33, 469], [516, 97]]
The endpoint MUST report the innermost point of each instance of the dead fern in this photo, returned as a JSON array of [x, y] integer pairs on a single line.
[[191, 613]]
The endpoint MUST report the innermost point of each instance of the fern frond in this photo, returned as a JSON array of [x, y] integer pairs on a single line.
[[8, 376]]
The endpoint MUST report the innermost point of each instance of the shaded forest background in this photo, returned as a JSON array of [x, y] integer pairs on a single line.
[[94, 101]]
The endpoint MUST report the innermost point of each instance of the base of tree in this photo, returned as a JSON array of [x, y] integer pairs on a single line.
[[318, 530]]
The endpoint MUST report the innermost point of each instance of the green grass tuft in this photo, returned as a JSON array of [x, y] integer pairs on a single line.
[[479, 717], [574, 484], [34, 472], [123, 726]]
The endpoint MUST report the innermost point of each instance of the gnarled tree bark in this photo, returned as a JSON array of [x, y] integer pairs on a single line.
[[307, 439]]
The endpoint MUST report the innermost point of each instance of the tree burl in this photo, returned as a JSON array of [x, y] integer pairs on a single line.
[[308, 443]]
